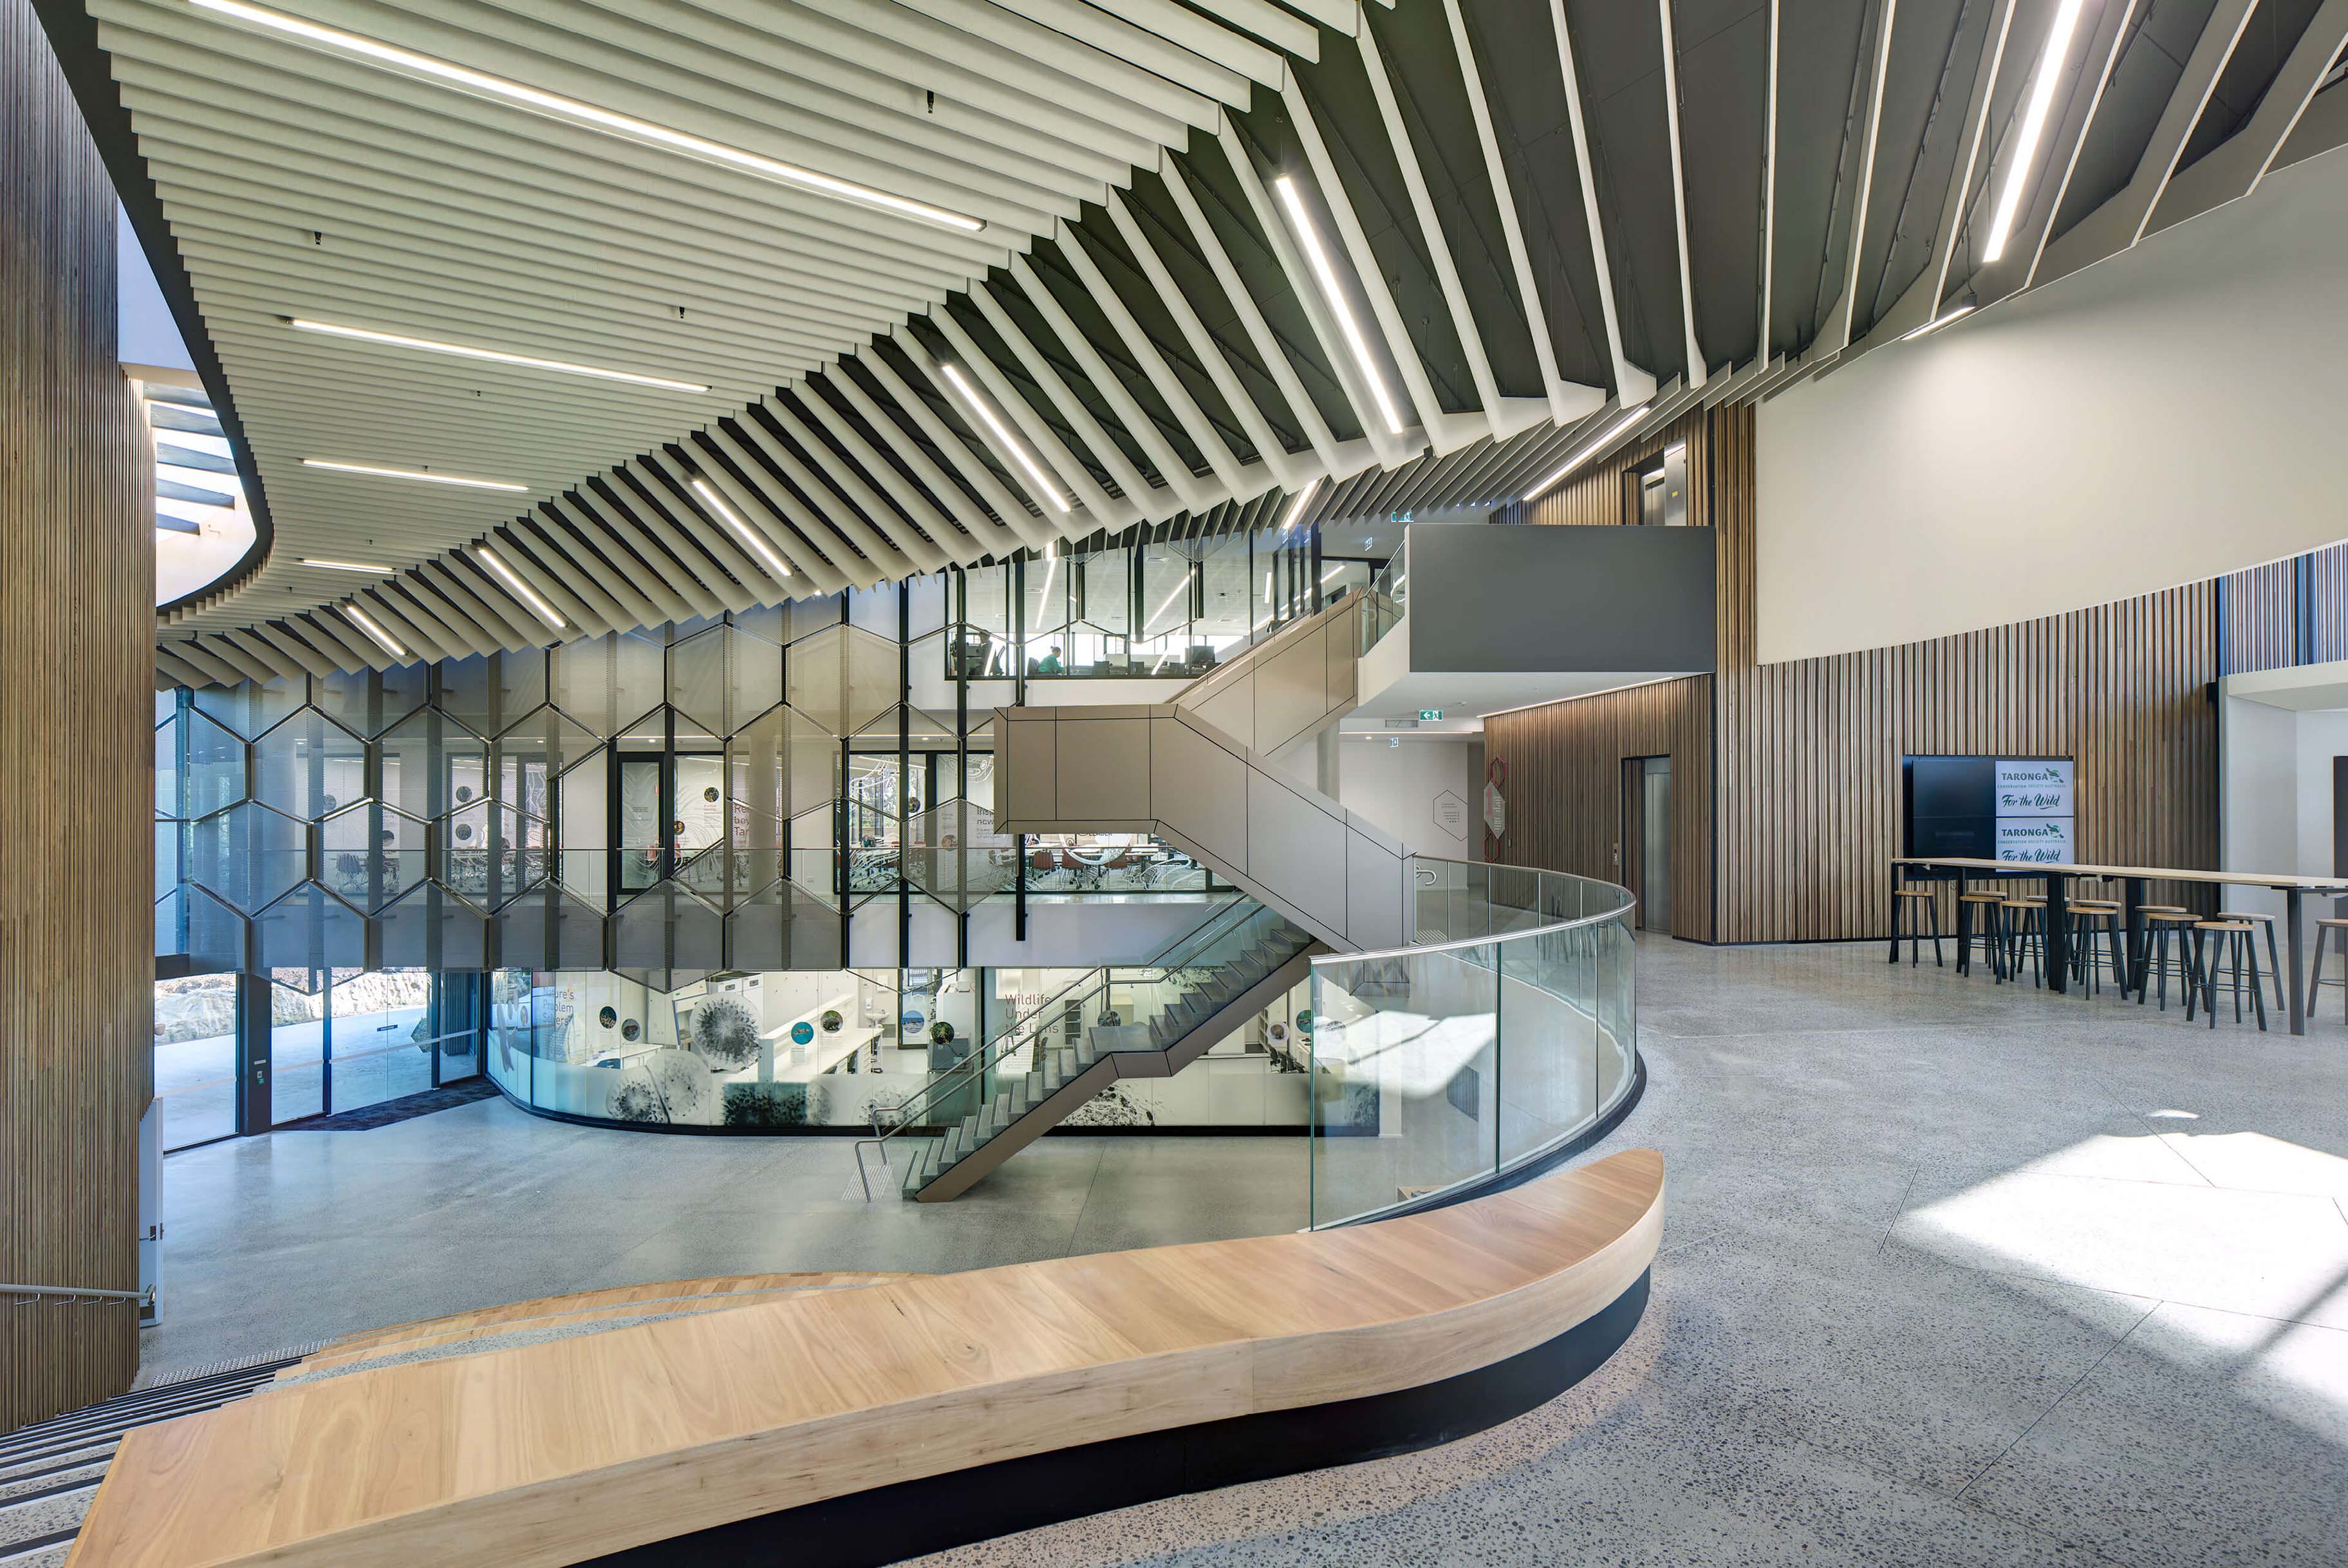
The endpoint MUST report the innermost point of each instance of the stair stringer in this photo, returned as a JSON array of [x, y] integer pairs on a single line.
[[1112, 1066]]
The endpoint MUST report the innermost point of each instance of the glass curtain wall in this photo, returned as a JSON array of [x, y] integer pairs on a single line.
[[810, 1050], [195, 1059], [778, 789]]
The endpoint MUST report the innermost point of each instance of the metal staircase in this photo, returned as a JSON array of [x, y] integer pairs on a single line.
[[1148, 1020]]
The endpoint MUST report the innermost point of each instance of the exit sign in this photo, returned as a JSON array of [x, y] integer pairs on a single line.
[[1429, 715]]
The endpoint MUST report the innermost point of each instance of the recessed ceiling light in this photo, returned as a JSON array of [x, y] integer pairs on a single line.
[[1296, 506], [346, 566], [412, 474], [726, 514], [1043, 484], [365, 622], [1324, 272], [2034, 126], [1583, 455], [467, 351], [587, 114], [539, 607], [1937, 323]]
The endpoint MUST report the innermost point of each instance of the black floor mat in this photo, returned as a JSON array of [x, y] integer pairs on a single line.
[[400, 1110]]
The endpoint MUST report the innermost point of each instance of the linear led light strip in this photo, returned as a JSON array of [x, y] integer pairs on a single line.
[[1937, 323], [412, 474], [742, 529], [984, 410], [365, 622], [505, 575], [2034, 126], [1296, 508], [466, 351], [1591, 451], [371, 570], [1316, 255], [587, 114]]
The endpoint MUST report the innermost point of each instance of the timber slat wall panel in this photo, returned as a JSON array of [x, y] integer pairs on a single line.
[[1564, 786], [1805, 757], [77, 770], [1811, 750]]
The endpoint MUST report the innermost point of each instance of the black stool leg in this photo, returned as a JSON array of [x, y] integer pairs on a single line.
[[2274, 966], [1934, 906], [2316, 969], [2193, 975], [2258, 980]]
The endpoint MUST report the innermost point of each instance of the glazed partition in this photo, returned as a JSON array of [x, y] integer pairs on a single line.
[[1506, 1031]]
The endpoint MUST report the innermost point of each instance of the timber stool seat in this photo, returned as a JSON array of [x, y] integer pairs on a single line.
[[2274, 964], [2336, 932], [1989, 934], [2159, 923], [1904, 915], [2238, 940]]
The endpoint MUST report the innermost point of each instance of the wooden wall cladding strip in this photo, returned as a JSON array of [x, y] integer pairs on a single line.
[[1804, 758], [77, 770], [1564, 760]]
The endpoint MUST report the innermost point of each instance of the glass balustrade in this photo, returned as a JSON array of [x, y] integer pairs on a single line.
[[1505, 1030]]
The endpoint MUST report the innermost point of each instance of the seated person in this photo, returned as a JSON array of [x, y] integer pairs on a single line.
[[1050, 664]]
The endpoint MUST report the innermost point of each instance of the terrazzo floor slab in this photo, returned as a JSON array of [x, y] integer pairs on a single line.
[[1953, 1274]]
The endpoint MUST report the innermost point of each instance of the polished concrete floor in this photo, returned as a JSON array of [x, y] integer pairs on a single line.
[[1953, 1274]]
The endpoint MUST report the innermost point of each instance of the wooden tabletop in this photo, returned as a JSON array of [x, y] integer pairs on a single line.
[[548, 1454], [2158, 874]]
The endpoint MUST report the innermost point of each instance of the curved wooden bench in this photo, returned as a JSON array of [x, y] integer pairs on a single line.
[[864, 1426], [709, 1294]]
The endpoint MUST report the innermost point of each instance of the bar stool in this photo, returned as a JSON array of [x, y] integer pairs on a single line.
[[2237, 939], [2159, 925], [2274, 964], [2093, 918], [2145, 963], [1904, 913], [1989, 934], [2324, 928], [2025, 931]]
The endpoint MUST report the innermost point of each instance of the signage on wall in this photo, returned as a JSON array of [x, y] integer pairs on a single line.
[[2032, 802], [1429, 715], [2034, 788], [1451, 814]]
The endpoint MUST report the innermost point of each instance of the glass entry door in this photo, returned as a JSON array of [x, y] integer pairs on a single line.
[[672, 817]]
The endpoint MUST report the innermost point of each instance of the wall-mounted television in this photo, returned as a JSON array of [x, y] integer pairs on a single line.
[[1989, 808]]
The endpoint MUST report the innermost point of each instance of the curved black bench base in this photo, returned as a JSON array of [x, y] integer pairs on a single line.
[[911, 1518]]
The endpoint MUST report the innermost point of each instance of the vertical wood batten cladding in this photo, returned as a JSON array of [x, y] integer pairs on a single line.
[[76, 771], [1564, 761], [2263, 609], [1803, 758]]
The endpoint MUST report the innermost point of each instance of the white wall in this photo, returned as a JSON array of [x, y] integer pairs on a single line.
[[2136, 426], [2277, 788], [1395, 787]]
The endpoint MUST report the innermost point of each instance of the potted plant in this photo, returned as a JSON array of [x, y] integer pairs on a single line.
[[830, 1020], [942, 1033]]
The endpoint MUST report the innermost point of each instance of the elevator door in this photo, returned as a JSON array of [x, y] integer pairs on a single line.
[[1654, 844]]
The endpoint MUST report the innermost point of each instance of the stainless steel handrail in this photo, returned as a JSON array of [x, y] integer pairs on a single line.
[[1630, 901], [69, 1293]]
